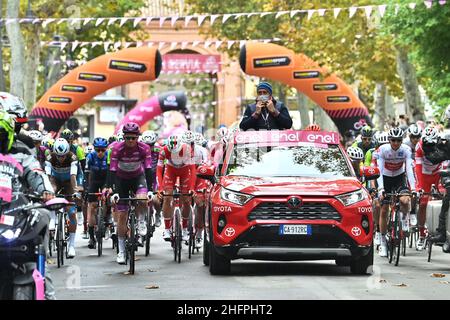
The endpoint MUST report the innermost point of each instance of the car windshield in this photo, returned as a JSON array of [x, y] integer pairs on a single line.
[[288, 161]]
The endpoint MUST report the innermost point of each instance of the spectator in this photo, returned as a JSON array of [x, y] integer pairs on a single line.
[[266, 113]]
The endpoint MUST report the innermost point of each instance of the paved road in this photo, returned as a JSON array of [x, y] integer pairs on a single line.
[[90, 277]]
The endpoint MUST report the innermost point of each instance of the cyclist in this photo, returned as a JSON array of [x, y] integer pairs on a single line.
[[95, 173], [179, 165], [150, 137], [48, 143], [356, 156], [130, 170], [394, 159], [61, 166], [414, 137], [427, 174], [367, 141], [76, 150], [37, 138]]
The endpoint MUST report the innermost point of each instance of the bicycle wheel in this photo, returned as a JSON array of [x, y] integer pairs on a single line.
[[430, 248], [132, 241], [59, 241], [404, 245], [398, 237], [390, 239], [191, 235], [51, 239], [100, 230], [178, 235], [150, 229]]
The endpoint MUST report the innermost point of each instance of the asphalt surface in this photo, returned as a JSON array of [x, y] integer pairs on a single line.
[[160, 277]]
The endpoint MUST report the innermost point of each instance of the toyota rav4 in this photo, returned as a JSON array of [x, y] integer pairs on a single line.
[[287, 195]]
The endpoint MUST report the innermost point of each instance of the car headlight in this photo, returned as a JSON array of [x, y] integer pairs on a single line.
[[353, 197], [10, 234], [234, 197]]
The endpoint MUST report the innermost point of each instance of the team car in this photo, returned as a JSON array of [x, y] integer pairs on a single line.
[[287, 196]]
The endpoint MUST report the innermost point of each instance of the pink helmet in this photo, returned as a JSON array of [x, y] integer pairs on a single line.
[[131, 127]]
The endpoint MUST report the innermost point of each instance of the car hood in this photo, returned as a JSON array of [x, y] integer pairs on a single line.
[[290, 185]]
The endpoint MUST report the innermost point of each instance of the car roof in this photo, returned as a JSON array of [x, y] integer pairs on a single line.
[[278, 137]]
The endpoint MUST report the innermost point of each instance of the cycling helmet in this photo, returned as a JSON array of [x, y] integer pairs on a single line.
[[383, 138], [112, 139], [355, 153], [367, 132], [414, 130], [149, 137], [61, 147], [67, 134], [131, 127], [313, 127], [222, 132], [198, 138], [396, 133], [6, 130], [15, 106], [174, 144], [48, 142], [100, 143], [120, 137], [188, 137], [447, 112], [430, 132], [35, 135]]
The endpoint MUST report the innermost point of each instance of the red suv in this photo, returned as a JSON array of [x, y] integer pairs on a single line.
[[287, 195]]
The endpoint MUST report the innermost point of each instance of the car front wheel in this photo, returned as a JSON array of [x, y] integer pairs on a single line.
[[363, 264]]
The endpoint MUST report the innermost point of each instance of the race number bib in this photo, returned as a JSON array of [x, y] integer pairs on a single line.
[[5, 188]]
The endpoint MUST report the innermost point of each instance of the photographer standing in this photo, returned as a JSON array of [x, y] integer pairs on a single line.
[[266, 113]]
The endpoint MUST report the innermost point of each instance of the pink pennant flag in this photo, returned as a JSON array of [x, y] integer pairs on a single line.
[[117, 45], [207, 44], [161, 21], [148, 20], [336, 12], [238, 15], [150, 44], [280, 13], [62, 20], [75, 45], [241, 43], [99, 21], [44, 24], [123, 21], [139, 44], [37, 20], [352, 11], [200, 20], [195, 43], [161, 45], [184, 44], [263, 14], [225, 17], [213, 18], [173, 20], [428, 4], [127, 44], [94, 44], [230, 43], [63, 44], [368, 10], [136, 21], [382, 10], [111, 21], [87, 20], [218, 44], [310, 14], [186, 20], [173, 45], [106, 45], [321, 12], [294, 12], [74, 20]]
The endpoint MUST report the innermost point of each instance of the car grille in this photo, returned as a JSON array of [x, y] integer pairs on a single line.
[[281, 211]]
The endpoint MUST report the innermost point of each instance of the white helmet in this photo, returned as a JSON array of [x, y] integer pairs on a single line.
[[430, 132], [188, 137], [13, 105], [35, 135], [355, 153], [149, 137], [120, 137], [198, 138], [396, 133], [383, 138], [414, 130], [61, 147], [222, 132]]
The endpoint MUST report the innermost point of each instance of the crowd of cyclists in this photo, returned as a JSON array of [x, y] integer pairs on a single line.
[[148, 167]]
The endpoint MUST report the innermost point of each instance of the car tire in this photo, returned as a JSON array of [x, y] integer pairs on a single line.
[[218, 264], [363, 264], [343, 262], [205, 249]]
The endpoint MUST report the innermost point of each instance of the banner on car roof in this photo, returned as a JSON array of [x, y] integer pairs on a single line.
[[82, 84], [287, 136], [275, 62]]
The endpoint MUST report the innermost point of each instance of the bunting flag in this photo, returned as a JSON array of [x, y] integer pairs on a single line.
[[368, 10]]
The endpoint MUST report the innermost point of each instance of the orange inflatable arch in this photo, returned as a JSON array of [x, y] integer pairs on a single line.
[[278, 63], [93, 78]]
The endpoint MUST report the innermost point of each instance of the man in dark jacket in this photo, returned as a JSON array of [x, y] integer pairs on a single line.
[[266, 113]]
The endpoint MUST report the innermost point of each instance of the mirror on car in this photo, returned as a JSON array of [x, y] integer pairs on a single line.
[[370, 173], [207, 173]]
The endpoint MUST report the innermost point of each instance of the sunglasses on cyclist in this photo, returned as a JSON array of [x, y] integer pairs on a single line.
[[396, 140], [100, 150], [130, 138]]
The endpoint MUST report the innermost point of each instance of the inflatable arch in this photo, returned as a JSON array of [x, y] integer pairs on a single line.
[[91, 79], [275, 62], [148, 109]]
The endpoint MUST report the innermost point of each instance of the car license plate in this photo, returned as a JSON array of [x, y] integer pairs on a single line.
[[302, 229]]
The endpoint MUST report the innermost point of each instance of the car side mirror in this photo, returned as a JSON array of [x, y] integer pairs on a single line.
[[207, 173], [370, 173]]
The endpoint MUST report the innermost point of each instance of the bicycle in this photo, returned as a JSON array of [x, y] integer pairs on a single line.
[[150, 222], [192, 227], [396, 237], [62, 235], [101, 225], [435, 193], [131, 241]]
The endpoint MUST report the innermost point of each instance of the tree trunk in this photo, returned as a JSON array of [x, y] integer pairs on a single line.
[[380, 117], [407, 74], [32, 64], [17, 68], [303, 109], [2, 74]]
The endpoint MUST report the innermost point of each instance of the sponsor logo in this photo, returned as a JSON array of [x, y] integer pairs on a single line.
[[127, 66], [135, 118], [146, 109], [400, 154], [229, 232], [202, 170], [222, 209], [356, 231], [71, 88], [294, 202], [287, 136], [325, 87], [358, 125], [333, 99], [271, 62], [92, 77], [170, 101], [365, 209], [306, 74], [59, 100], [371, 171], [323, 138]]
